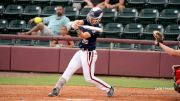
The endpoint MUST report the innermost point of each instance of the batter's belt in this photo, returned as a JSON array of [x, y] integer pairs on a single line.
[[85, 49]]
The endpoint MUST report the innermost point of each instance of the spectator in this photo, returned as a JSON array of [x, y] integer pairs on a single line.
[[63, 43], [119, 4], [53, 22], [94, 3]]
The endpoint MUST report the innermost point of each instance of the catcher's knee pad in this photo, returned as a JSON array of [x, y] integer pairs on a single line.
[[176, 76]]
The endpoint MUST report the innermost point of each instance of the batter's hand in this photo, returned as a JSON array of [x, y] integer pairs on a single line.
[[76, 24]]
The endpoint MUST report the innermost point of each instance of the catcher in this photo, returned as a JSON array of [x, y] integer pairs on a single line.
[[159, 42], [176, 68]]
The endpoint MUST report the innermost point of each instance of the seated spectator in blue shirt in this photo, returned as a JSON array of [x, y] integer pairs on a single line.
[[53, 23], [118, 4]]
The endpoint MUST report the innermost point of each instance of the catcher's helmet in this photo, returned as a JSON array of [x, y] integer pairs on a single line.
[[95, 15]]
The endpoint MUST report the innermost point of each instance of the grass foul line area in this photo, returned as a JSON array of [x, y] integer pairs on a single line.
[[46, 79]]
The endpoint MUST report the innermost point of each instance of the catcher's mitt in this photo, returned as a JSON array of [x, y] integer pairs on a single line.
[[158, 37]]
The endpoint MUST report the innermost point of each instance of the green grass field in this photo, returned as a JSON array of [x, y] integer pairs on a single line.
[[78, 80]]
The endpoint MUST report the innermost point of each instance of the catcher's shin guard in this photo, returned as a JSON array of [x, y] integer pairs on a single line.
[[176, 77], [177, 87]]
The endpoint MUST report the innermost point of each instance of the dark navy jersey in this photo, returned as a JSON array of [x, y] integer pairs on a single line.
[[90, 43]]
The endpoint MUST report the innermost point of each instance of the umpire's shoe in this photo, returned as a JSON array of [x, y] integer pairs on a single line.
[[55, 92], [111, 92]]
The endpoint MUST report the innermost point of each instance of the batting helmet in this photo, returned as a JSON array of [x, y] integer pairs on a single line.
[[94, 16]]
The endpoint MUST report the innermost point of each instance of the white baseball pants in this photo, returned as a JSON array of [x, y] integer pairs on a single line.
[[86, 60]]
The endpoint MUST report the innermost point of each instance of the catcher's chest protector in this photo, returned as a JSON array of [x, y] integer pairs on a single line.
[[177, 74]]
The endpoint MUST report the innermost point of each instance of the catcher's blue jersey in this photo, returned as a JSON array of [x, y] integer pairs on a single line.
[[90, 43]]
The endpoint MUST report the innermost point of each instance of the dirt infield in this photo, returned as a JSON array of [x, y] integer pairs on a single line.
[[84, 93]]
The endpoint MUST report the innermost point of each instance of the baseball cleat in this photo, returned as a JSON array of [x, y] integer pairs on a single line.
[[55, 92], [111, 92]]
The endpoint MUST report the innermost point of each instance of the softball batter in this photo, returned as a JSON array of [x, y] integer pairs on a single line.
[[86, 57]]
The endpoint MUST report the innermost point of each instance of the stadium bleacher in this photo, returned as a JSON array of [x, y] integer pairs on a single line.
[[132, 31], [71, 12], [16, 26], [31, 11], [171, 32], [108, 15], [148, 30], [3, 26], [47, 11], [83, 13], [136, 21], [127, 15], [113, 30], [149, 15]]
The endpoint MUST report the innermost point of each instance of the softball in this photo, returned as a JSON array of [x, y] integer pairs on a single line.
[[37, 20]]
